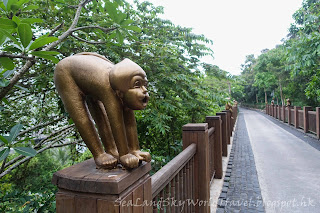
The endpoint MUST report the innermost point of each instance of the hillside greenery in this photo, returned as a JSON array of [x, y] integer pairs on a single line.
[[37, 138], [291, 69]]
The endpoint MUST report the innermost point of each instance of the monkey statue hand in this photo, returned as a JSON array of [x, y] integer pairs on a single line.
[[129, 161], [142, 155], [105, 161]]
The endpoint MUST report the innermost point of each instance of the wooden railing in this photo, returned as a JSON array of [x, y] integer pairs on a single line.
[[183, 185], [305, 118], [172, 182]]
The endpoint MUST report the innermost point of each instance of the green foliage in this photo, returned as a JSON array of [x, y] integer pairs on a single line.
[[8, 142], [34, 35], [293, 65], [29, 189]]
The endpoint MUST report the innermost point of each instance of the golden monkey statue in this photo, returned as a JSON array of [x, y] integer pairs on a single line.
[[91, 86], [288, 102]]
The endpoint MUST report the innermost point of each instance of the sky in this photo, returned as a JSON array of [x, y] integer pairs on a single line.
[[237, 27]]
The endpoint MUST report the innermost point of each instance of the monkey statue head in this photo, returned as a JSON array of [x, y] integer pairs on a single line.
[[130, 83], [288, 102]]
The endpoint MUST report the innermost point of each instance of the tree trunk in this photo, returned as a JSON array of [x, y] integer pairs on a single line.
[[281, 95], [265, 96]]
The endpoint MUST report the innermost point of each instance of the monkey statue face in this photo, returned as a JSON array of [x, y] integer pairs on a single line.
[[137, 97]]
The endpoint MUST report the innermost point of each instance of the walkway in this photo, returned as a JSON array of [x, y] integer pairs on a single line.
[[273, 161]]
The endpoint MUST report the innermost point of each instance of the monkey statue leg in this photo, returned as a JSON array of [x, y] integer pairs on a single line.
[[114, 111], [76, 107], [100, 117], [132, 136]]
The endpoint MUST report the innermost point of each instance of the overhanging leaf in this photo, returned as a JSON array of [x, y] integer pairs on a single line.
[[4, 139], [47, 52], [134, 28], [16, 20], [41, 42], [14, 132], [7, 63], [126, 22], [2, 6], [111, 10], [32, 20], [5, 101], [43, 54], [30, 7], [10, 3], [5, 2], [4, 82], [4, 153], [119, 37], [7, 73], [26, 151], [25, 34], [21, 2], [22, 88], [8, 35], [7, 24]]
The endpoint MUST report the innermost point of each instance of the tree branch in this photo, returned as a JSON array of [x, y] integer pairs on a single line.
[[28, 158], [29, 63], [16, 78], [56, 29], [40, 125], [3, 164], [106, 30], [67, 144], [89, 42], [63, 132], [9, 55]]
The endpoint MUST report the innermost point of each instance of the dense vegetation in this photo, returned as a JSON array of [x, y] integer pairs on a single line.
[[291, 70], [36, 136]]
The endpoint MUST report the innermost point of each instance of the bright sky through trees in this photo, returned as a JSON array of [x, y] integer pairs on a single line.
[[237, 27]]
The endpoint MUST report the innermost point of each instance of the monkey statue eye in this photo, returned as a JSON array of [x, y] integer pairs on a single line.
[[137, 84]]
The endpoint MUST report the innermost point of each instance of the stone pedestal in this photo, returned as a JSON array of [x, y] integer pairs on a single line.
[[85, 189]]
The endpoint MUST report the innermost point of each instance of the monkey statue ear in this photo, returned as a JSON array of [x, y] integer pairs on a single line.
[[119, 94]]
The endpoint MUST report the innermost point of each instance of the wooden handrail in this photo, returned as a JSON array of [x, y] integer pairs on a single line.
[[162, 177], [211, 131]]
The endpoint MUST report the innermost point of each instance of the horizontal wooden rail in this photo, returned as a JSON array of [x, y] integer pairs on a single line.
[[211, 131], [162, 177], [301, 118]]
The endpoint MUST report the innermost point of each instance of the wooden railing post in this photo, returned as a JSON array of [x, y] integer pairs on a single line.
[[272, 110], [306, 118], [289, 115], [296, 116], [284, 114], [229, 131], [198, 133], [215, 121], [225, 136], [318, 122], [85, 189]]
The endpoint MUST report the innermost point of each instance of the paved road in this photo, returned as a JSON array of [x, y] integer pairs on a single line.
[[288, 168], [241, 190]]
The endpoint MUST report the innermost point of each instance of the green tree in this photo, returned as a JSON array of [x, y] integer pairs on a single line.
[[304, 49]]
